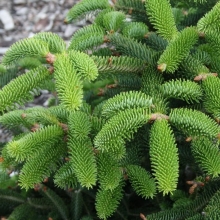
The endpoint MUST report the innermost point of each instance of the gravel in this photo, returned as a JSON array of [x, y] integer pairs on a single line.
[[23, 18]]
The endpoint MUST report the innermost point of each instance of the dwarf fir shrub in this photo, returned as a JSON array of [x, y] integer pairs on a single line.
[[132, 130]]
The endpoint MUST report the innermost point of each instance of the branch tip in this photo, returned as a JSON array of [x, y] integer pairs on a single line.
[[162, 67], [50, 58]]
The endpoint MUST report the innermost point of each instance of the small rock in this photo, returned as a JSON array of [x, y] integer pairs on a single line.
[[3, 50], [7, 20], [70, 29], [8, 38], [49, 26], [22, 11], [41, 24], [18, 2]]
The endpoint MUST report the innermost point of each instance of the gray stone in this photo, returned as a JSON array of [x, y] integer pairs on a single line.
[[6, 19], [70, 29], [22, 11], [18, 2]]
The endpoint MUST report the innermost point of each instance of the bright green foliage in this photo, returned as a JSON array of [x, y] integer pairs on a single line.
[[13, 119], [85, 172], [193, 67], [211, 90], [89, 29], [87, 37], [207, 154], [86, 108], [120, 64], [2, 69], [194, 123], [27, 47], [161, 16], [84, 65], [79, 125], [107, 201], [177, 50], [115, 127], [113, 21], [97, 124], [182, 89], [39, 115], [65, 176], [29, 63], [41, 165], [119, 128], [131, 47], [31, 144], [60, 113], [87, 41], [209, 23], [151, 81], [35, 171], [137, 30], [109, 172], [85, 6], [141, 181], [54, 41], [68, 83], [164, 157], [99, 18], [126, 100], [81, 149], [19, 90]]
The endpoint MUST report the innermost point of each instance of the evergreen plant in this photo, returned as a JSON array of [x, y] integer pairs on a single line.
[[132, 131]]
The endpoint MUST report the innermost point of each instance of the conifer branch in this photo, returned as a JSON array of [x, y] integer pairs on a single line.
[[19, 90], [84, 65], [141, 181], [161, 16], [32, 143], [68, 83], [23, 48], [182, 89], [207, 155], [163, 156], [109, 172], [85, 6], [121, 64], [107, 201], [55, 43], [194, 123], [177, 50]]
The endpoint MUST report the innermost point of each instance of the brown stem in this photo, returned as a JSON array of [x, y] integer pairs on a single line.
[[203, 76]]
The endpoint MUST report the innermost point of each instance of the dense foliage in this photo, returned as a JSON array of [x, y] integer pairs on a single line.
[[132, 130]]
